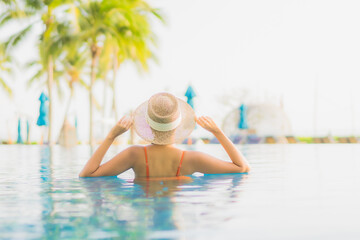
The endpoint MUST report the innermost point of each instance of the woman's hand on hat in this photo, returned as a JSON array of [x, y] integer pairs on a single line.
[[208, 124], [121, 126]]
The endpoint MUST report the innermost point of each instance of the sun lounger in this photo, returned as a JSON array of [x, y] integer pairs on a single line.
[[270, 140], [326, 140], [348, 140], [291, 139], [317, 140], [253, 139], [343, 140], [205, 140], [236, 139], [323, 140], [214, 141]]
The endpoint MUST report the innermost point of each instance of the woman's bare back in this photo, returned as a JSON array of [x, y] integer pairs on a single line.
[[163, 161]]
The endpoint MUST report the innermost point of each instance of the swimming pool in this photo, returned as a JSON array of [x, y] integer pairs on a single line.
[[293, 192]]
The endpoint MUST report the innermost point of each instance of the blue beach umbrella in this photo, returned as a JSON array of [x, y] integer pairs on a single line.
[[190, 94], [27, 131], [76, 127], [243, 118], [19, 138], [43, 119]]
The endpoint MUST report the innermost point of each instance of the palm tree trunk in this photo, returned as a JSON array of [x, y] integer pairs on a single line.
[[68, 105], [66, 112], [106, 84], [49, 85], [115, 67], [91, 100], [114, 106], [95, 51]]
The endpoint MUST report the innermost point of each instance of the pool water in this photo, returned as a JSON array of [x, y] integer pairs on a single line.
[[293, 192]]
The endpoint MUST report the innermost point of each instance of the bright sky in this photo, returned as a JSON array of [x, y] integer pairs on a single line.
[[304, 52]]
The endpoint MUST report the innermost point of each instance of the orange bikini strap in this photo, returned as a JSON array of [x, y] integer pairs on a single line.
[[147, 164], [181, 160]]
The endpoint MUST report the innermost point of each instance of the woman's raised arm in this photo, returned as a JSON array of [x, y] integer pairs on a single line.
[[93, 169], [211, 164]]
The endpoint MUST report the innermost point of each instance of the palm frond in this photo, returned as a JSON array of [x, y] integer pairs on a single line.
[[5, 17], [39, 76], [84, 84], [4, 85], [17, 37], [35, 4], [158, 14]]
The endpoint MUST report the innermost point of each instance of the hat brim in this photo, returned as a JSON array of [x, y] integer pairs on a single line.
[[177, 135]]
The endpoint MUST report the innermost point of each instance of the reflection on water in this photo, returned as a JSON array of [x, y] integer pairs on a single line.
[[293, 192]]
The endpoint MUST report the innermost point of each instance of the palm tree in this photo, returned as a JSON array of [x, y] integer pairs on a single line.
[[74, 64], [10, 10], [135, 44], [108, 63], [111, 19], [36, 12], [123, 25], [103, 71], [129, 50], [92, 27]]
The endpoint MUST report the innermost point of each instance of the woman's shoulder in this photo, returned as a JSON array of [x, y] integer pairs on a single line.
[[135, 149], [192, 155], [193, 152], [135, 152]]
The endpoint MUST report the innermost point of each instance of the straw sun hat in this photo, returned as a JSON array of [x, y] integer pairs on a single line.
[[164, 119]]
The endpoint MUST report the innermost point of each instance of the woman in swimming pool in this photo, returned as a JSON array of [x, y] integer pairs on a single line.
[[163, 120]]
